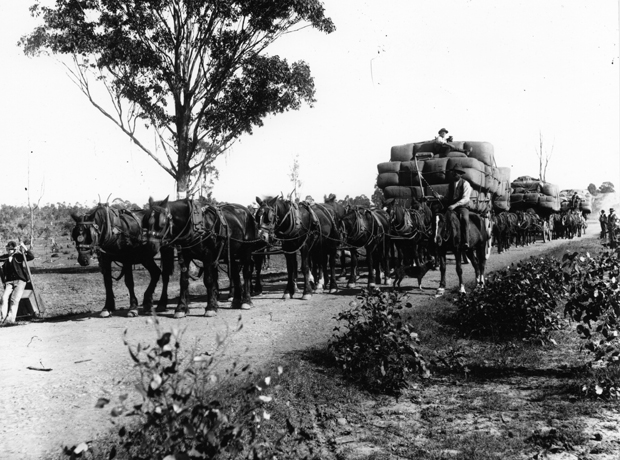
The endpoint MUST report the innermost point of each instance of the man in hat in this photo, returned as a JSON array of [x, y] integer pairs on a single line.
[[14, 276], [460, 193], [612, 219], [602, 218], [442, 144]]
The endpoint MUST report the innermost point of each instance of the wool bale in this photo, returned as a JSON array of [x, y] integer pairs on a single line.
[[528, 185], [549, 189], [388, 166], [434, 171], [456, 155], [386, 179], [501, 205], [397, 191], [516, 198], [437, 189], [482, 151], [401, 152], [412, 166], [479, 202], [475, 178], [531, 198], [461, 163], [408, 178]]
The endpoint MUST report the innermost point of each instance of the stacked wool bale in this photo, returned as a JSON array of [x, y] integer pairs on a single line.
[[413, 172], [528, 192], [585, 198]]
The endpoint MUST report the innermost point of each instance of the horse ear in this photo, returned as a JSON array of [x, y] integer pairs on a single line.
[[165, 202], [259, 201], [75, 217], [151, 201]]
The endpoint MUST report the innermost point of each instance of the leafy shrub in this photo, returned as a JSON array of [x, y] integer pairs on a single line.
[[594, 303], [377, 348], [518, 301], [181, 416]]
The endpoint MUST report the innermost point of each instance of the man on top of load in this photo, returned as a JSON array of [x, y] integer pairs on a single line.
[[442, 144], [459, 194]]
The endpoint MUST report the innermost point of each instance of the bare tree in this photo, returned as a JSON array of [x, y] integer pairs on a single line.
[[294, 177], [544, 156], [32, 208]]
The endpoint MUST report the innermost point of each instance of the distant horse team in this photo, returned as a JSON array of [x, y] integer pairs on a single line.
[[407, 236]]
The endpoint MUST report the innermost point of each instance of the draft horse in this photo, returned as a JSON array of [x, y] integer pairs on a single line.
[[368, 228], [311, 231], [210, 234], [447, 238], [115, 235]]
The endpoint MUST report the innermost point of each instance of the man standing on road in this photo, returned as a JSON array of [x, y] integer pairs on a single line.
[[602, 218], [14, 275], [611, 227]]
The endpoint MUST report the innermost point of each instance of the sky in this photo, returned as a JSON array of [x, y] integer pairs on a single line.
[[393, 72]]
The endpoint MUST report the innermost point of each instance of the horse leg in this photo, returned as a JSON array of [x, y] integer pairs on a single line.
[[333, 285], [371, 268], [291, 268], [459, 272], [352, 275], [133, 300], [235, 283], [305, 269], [167, 263], [182, 308], [155, 273], [210, 282], [105, 264], [246, 301], [257, 287], [441, 255]]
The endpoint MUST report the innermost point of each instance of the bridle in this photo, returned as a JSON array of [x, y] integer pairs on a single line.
[[94, 231]]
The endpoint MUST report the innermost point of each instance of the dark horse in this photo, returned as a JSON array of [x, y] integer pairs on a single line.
[[226, 232], [116, 236], [308, 229], [368, 228], [447, 237], [410, 232]]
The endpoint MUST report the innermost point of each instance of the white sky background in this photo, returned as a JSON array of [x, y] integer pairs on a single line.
[[393, 72]]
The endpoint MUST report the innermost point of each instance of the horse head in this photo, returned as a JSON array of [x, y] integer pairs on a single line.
[[85, 236], [266, 218], [157, 223], [446, 227]]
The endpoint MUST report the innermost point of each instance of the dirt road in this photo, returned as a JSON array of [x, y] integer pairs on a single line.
[[85, 358]]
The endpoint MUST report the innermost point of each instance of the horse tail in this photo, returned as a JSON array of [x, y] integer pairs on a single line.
[[167, 260]]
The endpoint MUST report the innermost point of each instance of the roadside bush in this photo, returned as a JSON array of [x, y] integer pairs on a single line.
[[182, 415], [518, 301], [594, 303], [376, 347]]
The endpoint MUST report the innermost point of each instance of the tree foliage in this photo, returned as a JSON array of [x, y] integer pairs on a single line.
[[194, 71], [606, 187]]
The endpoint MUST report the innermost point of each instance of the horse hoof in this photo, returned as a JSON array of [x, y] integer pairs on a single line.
[[440, 292], [372, 285], [105, 314], [161, 309], [229, 299], [245, 306], [179, 314], [306, 297], [333, 291], [210, 313], [286, 296], [351, 285], [132, 313]]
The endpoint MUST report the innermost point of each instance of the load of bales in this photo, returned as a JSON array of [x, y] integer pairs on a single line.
[[414, 172], [577, 199], [531, 193]]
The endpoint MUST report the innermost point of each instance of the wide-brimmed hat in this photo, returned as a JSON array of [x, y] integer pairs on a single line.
[[443, 130], [611, 209]]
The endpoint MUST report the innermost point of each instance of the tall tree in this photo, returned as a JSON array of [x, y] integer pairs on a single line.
[[194, 71], [294, 176], [544, 156]]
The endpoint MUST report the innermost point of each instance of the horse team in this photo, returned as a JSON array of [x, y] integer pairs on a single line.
[[315, 235], [521, 228]]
